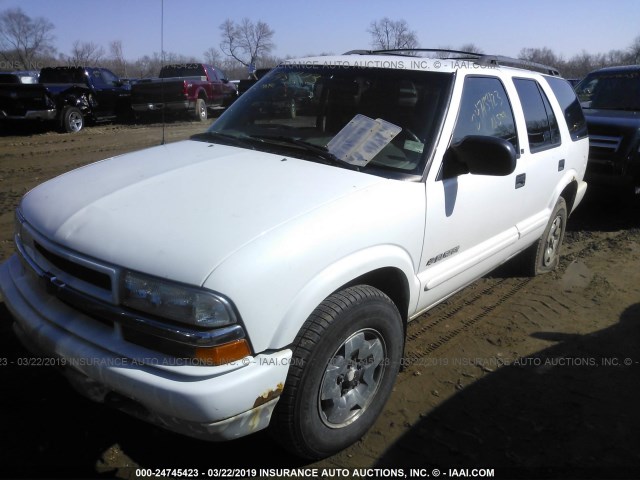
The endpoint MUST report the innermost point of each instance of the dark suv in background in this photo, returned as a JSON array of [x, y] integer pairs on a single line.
[[610, 98]]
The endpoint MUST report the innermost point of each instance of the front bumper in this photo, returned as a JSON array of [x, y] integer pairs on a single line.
[[213, 403]]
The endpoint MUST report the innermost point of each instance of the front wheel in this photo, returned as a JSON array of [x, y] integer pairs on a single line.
[[345, 361]]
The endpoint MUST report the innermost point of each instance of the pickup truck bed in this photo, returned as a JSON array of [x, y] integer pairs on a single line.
[[191, 88], [29, 102]]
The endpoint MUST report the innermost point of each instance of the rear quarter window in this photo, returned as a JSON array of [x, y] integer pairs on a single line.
[[542, 127], [570, 105]]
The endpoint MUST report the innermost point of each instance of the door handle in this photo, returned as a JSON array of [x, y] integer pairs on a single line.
[[520, 180]]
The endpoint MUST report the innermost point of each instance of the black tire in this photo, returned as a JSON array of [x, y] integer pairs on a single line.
[[544, 255], [200, 110], [71, 120], [345, 361]]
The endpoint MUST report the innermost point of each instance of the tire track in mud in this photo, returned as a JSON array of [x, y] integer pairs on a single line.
[[446, 321], [485, 301]]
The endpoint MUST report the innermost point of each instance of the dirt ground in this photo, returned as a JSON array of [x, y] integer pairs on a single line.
[[532, 377]]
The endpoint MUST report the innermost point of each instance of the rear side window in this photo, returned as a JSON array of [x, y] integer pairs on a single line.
[[570, 106], [542, 126], [485, 110]]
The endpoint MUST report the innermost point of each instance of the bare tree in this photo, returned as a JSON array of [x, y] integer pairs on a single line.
[[543, 55], [246, 41], [387, 34], [471, 48], [85, 54], [213, 57], [24, 40], [147, 66], [118, 62], [634, 51], [467, 47]]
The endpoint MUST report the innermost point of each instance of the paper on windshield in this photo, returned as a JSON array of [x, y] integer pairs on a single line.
[[362, 139]]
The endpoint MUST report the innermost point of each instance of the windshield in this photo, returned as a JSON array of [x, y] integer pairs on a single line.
[[610, 90], [366, 118]]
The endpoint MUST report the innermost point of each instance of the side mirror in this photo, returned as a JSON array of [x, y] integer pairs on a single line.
[[483, 155]]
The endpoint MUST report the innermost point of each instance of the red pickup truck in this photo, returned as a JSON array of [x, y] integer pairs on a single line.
[[193, 88]]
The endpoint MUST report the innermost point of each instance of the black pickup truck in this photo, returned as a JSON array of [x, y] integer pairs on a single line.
[[69, 96], [610, 98]]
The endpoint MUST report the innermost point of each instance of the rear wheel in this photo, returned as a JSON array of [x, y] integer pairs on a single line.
[[345, 361], [200, 110], [71, 120], [544, 255]]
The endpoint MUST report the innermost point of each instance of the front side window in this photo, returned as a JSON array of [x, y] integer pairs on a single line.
[[383, 121], [108, 78], [220, 74], [485, 110], [542, 126]]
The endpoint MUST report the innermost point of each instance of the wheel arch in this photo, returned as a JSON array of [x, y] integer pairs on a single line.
[[569, 194], [392, 282], [390, 272], [202, 94]]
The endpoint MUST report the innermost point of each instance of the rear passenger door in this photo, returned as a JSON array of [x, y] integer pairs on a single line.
[[542, 158]]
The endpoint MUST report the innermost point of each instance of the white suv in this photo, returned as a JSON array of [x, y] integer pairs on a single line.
[[262, 273]]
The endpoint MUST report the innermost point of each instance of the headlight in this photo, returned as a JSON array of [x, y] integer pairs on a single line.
[[177, 302]]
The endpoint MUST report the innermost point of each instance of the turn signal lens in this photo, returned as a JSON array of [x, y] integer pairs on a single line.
[[222, 354]]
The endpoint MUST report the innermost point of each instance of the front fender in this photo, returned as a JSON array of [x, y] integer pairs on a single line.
[[277, 279], [336, 276], [82, 98]]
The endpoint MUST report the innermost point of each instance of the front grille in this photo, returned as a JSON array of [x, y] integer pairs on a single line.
[[100, 280], [80, 273], [605, 143]]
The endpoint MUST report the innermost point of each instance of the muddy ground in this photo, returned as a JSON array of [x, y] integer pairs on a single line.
[[531, 377]]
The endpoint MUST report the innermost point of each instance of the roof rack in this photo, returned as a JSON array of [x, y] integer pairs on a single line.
[[480, 58], [412, 50]]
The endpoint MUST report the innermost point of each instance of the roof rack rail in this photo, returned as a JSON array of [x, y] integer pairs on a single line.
[[411, 50], [517, 62], [481, 58]]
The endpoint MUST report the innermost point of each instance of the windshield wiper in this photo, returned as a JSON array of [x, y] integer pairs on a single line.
[[225, 137], [320, 151]]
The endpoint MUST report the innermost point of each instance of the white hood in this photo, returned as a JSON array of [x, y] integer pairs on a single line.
[[181, 208]]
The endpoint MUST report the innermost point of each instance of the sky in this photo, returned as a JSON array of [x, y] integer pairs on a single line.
[[502, 27]]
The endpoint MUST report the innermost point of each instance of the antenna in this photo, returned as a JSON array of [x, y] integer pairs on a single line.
[[162, 64]]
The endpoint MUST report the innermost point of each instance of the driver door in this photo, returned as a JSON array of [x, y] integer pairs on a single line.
[[471, 218]]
